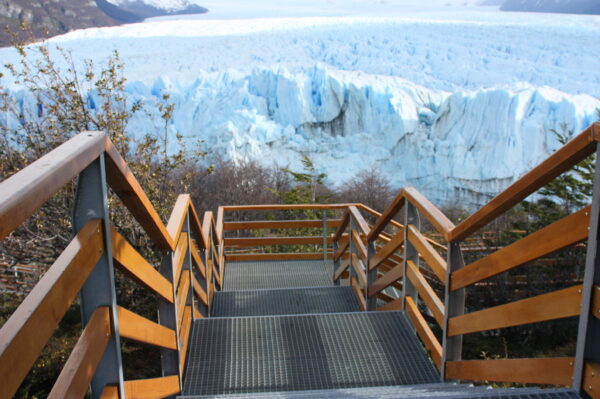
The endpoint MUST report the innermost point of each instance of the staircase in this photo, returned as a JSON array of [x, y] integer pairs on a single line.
[[364, 304], [281, 329]]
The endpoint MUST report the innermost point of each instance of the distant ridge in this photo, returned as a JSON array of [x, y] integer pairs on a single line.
[[553, 6], [138, 10]]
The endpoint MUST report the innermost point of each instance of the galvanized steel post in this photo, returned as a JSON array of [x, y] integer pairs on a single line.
[[91, 202]]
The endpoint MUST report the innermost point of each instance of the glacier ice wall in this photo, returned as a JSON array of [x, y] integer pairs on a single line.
[[456, 148]]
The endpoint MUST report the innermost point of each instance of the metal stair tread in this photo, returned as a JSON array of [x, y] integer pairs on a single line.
[[287, 301]]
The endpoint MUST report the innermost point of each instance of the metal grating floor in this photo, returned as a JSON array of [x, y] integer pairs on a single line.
[[288, 301], [306, 352], [425, 391], [277, 274]]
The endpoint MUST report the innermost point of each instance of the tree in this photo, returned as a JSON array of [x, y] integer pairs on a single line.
[[369, 187]]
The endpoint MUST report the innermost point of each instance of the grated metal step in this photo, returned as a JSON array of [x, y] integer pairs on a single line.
[[304, 352], [277, 274], [289, 301], [424, 391]]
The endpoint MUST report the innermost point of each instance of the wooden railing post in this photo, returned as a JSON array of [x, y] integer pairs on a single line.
[[454, 305], [411, 216], [588, 341], [91, 202]]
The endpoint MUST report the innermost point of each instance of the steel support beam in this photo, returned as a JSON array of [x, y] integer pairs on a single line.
[[91, 202]]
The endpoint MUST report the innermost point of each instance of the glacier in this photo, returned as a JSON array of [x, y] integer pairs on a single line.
[[463, 146], [456, 101]]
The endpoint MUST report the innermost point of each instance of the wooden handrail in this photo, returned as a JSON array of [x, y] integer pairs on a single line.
[[562, 160], [284, 207], [140, 329], [425, 292], [361, 223], [122, 181], [424, 331], [279, 224], [386, 280], [554, 371], [269, 241], [343, 225], [433, 259], [77, 373], [178, 215], [565, 303], [152, 388], [137, 268], [545, 241], [29, 328], [25, 191]]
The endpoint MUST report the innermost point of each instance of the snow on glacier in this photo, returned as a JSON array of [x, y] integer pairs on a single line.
[[456, 101]]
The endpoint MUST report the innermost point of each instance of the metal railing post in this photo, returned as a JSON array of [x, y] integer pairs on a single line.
[[167, 316], [371, 277], [411, 216], [324, 217], [454, 303], [351, 250], [588, 343], [91, 202]]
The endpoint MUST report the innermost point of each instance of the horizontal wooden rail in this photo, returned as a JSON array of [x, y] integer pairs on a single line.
[[560, 161], [387, 250], [424, 332], [433, 215], [179, 256], [152, 388], [197, 227], [136, 267], [182, 296], [29, 328], [433, 259], [24, 192], [360, 273], [274, 256], [284, 207], [551, 371], [343, 248], [178, 215], [558, 235], [184, 335], [122, 181], [591, 379], [75, 377], [359, 245], [361, 223], [358, 293], [396, 304], [279, 224], [426, 292], [269, 241], [343, 226], [554, 305], [199, 291], [140, 329], [197, 259], [596, 301], [344, 265], [386, 280]]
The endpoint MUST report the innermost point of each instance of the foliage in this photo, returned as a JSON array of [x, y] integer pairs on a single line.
[[53, 104]]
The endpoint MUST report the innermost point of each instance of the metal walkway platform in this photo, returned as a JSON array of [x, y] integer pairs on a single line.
[[277, 274], [425, 391], [287, 353], [287, 301]]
